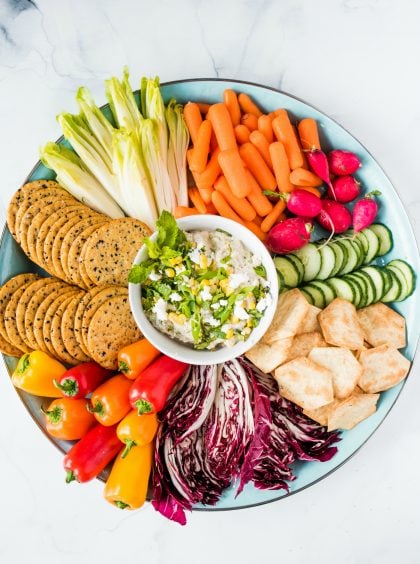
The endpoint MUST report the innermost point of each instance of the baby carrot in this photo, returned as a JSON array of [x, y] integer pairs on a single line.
[[203, 107], [302, 177], [206, 179], [266, 128], [193, 119], [257, 166], [308, 133], [235, 172], [240, 205], [219, 116], [210, 207], [311, 189], [283, 131], [259, 140], [231, 102], [223, 207], [281, 166], [183, 211], [197, 200], [248, 106], [256, 230], [258, 220], [242, 134], [273, 216], [257, 199], [205, 194], [250, 120], [198, 160]]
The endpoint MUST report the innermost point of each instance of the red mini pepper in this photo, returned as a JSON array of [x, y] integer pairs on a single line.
[[150, 390], [81, 380], [88, 457]]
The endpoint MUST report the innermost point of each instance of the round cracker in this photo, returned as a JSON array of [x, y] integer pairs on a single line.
[[10, 319], [97, 300], [6, 292], [111, 250], [57, 341], [68, 330], [74, 256], [112, 327], [79, 317], [58, 240], [49, 316], [35, 200], [28, 218], [50, 225], [82, 268], [22, 307], [8, 349], [38, 324], [72, 234], [20, 196], [36, 300]]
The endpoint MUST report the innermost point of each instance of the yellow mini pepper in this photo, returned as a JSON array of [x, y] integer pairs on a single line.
[[35, 373], [128, 481]]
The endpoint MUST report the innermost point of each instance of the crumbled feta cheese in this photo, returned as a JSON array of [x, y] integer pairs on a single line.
[[223, 302], [205, 294], [261, 305], [175, 297], [155, 276], [212, 322], [160, 310], [215, 306], [237, 279], [240, 313]]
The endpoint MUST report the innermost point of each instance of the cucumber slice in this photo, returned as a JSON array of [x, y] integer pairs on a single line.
[[307, 295], [408, 274], [311, 260], [327, 262], [362, 285], [384, 236], [298, 264], [288, 270], [352, 257], [395, 289], [377, 278], [326, 289], [363, 240], [340, 258], [342, 288], [373, 245], [369, 293], [282, 285], [357, 289], [317, 295]]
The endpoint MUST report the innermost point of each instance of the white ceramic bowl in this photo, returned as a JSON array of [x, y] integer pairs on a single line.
[[181, 351]]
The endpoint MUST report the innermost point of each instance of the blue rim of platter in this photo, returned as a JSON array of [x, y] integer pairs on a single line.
[[352, 440]]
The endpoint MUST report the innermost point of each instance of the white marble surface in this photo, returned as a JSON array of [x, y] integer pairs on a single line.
[[355, 59]]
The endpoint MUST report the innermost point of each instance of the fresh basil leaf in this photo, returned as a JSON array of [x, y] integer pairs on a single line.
[[260, 270], [140, 272]]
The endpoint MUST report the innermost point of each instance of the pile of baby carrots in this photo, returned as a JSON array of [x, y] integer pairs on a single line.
[[237, 153]]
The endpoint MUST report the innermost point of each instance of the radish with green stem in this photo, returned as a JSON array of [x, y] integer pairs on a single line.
[[346, 189], [289, 235], [334, 217], [299, 202], [343, 163], [365, 211]]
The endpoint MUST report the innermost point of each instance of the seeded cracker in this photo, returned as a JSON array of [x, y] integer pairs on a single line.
[[57, 341], [112, 327], [68, 330], [78, 318], [74, 256], [10, 318], [49, 317], [111, 250]]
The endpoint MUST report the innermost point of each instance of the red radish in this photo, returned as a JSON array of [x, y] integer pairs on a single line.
[[343, 162], [334, 217], [318, 162], [303, 203], [289, 235], [346, 189], [364, 211]]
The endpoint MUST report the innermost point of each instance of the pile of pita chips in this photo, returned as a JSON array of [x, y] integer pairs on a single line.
[[333, 362]]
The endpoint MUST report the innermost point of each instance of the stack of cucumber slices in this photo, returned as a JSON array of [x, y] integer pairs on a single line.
[[341, 268]]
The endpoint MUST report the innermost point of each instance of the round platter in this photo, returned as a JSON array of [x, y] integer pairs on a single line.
[[392, 213]]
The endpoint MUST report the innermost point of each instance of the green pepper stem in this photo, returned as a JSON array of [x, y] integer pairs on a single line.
[[70, 476], [68, 386], [97, 408], [143, 406], [123, 367], [120, 504], [54, 414], [129, 446]]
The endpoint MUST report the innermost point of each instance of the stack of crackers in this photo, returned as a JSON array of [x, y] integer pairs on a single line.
[[333, 362], [81, 311]]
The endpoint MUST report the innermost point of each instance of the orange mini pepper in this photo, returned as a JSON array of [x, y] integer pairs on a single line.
[[68, 419], [109, 402], [137, 430], [134, 358]]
